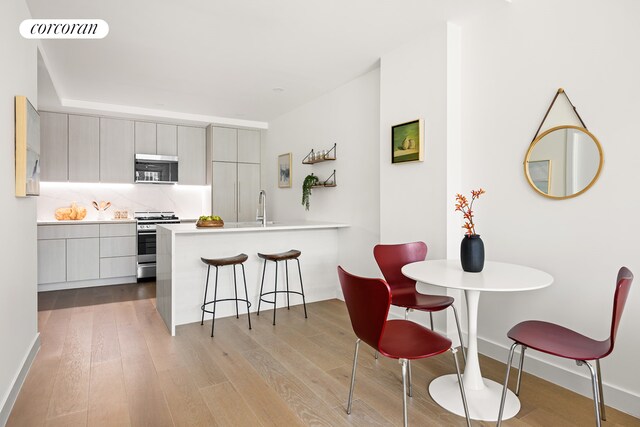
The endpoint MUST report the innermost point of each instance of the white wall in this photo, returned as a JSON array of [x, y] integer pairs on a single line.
[[513, 62], [348, 116], [18, 253]]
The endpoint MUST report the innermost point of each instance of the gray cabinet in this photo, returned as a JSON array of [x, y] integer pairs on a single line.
[[166, 139], [192, 162], [145, 138], [234, 145], [248, 190], [84, 148], [52, 261], [116, 150], [118, 249], [83, 259], [54, 145], [248, 146], [224, 191]]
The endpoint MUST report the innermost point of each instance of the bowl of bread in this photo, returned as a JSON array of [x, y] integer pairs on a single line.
[[72, 213], [209, 221]]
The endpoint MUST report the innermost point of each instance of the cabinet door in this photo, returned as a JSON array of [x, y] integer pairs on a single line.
[[118, 267], [54, 142], [225, 145], [84, 148], [191, 156], [116, 150], [167, 140], [145, 138], [118, 246], [52, 261], [248, 191], [248, 146], [83, 259], [224, 188]]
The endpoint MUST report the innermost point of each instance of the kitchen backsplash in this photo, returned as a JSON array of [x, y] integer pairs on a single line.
[[187, 202]]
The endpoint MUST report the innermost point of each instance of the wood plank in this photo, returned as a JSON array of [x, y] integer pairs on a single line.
[[228, 406], [105, 345], [107, 395], [76, 419], [185, 402]]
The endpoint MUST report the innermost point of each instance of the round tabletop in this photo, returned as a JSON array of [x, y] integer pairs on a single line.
[[495, 277]]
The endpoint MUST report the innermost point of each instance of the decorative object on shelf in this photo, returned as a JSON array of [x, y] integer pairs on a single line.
[[72, 213], [320, 156], [284, 170], [101, 207], [309, 182], [121, 214], [27, 148], [209, 221], [565, 142], [406, 142], [471, 248], [329, 182]]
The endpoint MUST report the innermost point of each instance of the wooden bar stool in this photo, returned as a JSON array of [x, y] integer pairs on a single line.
[[221, 262], [282, 256]]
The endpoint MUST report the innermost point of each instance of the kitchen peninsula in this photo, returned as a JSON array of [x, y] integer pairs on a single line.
[[181, 274]]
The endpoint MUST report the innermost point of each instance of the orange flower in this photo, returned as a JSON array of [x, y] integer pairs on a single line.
[[463, 205]]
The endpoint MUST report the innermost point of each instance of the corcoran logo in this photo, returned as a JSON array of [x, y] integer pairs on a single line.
[[64, 29]]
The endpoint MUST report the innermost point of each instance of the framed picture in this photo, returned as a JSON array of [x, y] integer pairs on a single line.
[[27, 148], [540, 173], [406, 142], [284, 170]]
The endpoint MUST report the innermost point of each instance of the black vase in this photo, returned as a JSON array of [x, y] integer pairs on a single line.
[[472, 253]]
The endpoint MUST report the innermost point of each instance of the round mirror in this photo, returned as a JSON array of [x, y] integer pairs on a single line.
[[563, 162]]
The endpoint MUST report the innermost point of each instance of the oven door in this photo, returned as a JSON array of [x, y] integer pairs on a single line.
[[146, 247]]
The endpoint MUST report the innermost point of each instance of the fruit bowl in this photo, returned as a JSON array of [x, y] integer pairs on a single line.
[[209, 223]]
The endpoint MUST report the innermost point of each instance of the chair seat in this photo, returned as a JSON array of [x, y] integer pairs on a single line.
[[218, 262], [403, 339], [281, 256], [413, 299], [557, 340]]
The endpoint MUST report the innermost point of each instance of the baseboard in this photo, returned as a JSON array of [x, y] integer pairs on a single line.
[[45, 287], [7, 405], [622, 400]]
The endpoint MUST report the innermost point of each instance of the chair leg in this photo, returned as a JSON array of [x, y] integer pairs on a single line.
[[455, 314], [206, 288], [264, 268], [406, 314], [286, 267], [461, 385], [304, 304], [506, 382], [246, 294], [403, 362], [375, 354], [594, 383], [603, 415], [353, 376], [431, 319], [275, 295], [235, 290], [523, 348], [215, 299], [409, 377]]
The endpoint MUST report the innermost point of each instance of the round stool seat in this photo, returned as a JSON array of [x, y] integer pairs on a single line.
[[219, 262], [282, 256]]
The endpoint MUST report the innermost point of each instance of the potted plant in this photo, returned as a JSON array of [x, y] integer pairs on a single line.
[[307, 184], [472, 247]]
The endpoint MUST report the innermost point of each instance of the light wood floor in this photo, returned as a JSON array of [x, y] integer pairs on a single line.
[[107, 360]]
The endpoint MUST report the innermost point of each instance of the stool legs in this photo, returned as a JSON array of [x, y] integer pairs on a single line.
[[235, 290], [215, 299], [264, 268], [246, 293], [276, 291], [304, 303], [286, 267], [275, 295], [206, 288]]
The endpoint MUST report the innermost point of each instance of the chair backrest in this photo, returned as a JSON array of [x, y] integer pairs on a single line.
[[391, 259], [368, 302], [623, 285]]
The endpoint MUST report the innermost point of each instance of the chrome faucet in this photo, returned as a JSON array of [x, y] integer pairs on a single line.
[[262, 201]]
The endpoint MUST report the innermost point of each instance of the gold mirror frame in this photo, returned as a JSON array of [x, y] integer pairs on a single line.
[[539, 138]]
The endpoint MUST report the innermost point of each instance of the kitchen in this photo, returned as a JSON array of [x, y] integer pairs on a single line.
[[415, 72]]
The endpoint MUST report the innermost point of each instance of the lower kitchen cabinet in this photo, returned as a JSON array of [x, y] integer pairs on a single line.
[[52, 261], [83, 259], [117, 267]]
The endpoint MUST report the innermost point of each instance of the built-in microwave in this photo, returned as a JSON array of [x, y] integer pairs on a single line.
[[156, 169]]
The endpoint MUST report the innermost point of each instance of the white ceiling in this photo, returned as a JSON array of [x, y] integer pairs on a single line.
[[225, 57]]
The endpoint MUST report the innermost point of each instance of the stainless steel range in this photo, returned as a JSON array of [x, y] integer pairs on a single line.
[[147, 222]]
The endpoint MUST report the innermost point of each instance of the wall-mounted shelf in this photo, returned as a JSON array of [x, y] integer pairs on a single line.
[[329, 182], [316, 157]]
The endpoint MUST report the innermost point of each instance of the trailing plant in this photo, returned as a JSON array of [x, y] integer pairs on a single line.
[[309, 181], [463, 205]]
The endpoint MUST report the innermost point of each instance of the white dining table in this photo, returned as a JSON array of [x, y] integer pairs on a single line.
[[483, 395]]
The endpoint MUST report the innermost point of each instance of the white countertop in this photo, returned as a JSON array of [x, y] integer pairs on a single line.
[[231, 227], [86, 221]]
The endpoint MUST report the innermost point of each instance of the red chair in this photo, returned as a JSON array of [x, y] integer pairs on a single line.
[[562, 342], [391, 259], [368, 302]]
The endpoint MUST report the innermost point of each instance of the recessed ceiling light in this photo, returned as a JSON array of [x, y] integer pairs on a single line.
[[278, 89]]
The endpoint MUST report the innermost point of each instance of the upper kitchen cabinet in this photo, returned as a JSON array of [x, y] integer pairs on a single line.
[[192, 165], [248, 146], [84, 149], [145, 138], [54, 143], [116, 150], [167, 140], [234, 145]]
